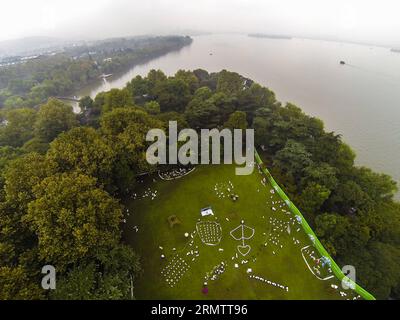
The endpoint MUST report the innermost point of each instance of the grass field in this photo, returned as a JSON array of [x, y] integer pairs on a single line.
[[276, 253]]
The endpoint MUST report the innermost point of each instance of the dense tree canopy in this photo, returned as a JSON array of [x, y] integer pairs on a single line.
[[120, 265], [73, 218], [84, 150], [53, 118], [237, 120], [17, 127], [116, 98]]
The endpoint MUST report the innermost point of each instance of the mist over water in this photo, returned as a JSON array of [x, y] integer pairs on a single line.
[[360, 100]]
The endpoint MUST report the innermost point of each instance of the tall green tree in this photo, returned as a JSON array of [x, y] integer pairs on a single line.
[[17, 127], [73, 219], [152, 107], [15, 284], [189, 78], [117, 98], [237, 120], [202, 114], [230, 83], [53, 118], [110, 275], [293, 158], [172, 94], [312, 198], [83, 150], [125, 130]]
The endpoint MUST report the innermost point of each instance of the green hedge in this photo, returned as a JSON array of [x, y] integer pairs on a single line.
[[335, 268]]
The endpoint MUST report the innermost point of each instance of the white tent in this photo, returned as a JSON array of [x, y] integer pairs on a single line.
[[206, 212]]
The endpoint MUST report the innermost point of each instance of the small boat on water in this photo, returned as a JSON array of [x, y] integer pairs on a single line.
[[342, 62]]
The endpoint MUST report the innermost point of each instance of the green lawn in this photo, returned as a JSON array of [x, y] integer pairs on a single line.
[[275, 254]]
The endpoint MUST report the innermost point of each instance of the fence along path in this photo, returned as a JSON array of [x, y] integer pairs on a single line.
[[306, 227]]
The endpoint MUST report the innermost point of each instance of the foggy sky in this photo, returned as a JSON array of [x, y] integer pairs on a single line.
[[371, 21]]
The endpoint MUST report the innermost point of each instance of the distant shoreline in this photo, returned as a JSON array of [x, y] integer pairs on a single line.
[[269, 36]]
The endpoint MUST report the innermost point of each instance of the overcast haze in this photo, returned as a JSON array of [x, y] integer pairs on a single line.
[[370, 21]]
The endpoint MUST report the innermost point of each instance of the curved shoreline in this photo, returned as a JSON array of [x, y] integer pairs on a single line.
[[170, 179]]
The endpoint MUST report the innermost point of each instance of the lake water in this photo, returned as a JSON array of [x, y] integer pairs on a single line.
[[360, 100]]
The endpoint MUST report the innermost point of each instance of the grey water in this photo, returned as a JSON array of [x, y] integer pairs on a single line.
[[359, 100]]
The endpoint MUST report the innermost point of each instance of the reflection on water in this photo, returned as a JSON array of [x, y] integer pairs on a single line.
[[360, 100]]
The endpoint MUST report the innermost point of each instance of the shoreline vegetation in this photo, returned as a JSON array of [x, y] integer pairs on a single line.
[[317, 244], [32, 82], [64, 178]]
